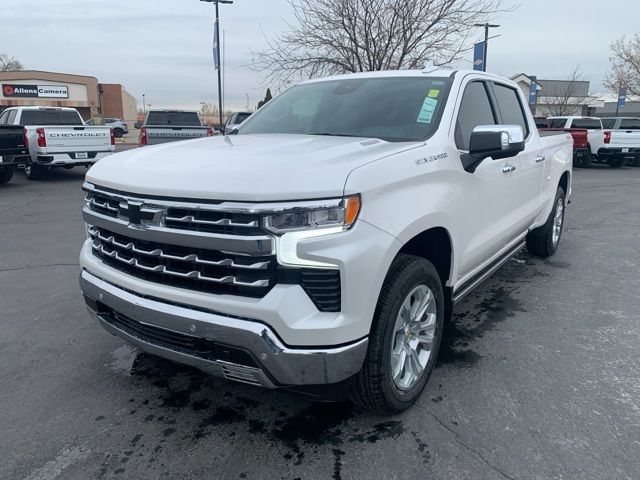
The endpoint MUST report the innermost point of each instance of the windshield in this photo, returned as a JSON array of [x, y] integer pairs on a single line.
[[50, 117], [183, 119], [395, 109]]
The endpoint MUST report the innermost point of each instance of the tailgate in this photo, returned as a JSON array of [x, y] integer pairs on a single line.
[[622, 138], [157, 135], [12, 141], [77, 139]]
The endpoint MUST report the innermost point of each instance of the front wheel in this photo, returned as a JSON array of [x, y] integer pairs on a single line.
[[5, 175], [405, 337], [543, 241]]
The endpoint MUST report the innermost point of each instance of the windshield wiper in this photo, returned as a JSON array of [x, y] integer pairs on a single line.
[[328, 134]]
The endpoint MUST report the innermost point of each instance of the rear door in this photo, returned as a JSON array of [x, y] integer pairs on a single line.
[[528, 176]]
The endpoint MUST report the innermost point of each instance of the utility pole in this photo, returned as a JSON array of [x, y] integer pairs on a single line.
[[216, 53], [144, 105], [486, 27]]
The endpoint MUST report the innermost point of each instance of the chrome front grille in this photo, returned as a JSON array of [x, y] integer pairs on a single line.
[[215, 247], [204, 270], [210, 218]]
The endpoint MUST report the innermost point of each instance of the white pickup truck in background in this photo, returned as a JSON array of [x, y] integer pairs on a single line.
[[321, 247], [58, 137], [163, 126], [630, 139], [606, 145]]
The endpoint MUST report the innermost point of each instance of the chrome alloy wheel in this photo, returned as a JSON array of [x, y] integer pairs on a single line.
[[558, 218], [413, 337]]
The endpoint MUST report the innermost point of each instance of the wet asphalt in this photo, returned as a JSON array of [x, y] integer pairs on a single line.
[[538, 377]]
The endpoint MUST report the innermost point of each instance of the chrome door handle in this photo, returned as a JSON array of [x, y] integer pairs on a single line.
[[540, 158], [508, 168]]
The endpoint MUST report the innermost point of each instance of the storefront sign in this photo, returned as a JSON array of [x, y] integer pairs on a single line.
[[35, 91]]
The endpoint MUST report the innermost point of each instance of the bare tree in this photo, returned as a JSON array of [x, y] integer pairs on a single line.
[[625, 65], [340, 36], [564, 97], [208, 109], [9, 64]]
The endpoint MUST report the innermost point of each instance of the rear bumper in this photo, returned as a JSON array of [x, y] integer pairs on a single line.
[[235, 348], [618, 153]]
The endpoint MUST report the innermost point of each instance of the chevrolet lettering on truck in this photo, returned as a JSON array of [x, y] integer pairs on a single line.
[[57, 137], [321, 247]]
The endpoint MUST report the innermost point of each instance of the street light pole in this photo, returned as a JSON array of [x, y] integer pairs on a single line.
[[486, 27], [247, 101], [217, 46], [144, 105]]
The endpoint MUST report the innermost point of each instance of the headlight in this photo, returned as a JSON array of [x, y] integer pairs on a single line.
[[312, 220], [317, 215]]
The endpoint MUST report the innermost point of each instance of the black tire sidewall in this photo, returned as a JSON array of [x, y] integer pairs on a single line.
[[420, 272], [118, 132]]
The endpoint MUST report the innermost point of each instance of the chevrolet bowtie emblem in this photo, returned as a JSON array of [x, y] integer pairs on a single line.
[[137, 213]]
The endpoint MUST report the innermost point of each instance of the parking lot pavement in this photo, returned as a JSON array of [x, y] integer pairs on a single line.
[[538, 378]]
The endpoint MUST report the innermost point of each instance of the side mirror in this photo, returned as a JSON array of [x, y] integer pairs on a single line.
[[218, 127], [494, 141], [137, 125]]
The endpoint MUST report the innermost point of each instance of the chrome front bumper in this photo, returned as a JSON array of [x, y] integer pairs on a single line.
[[274, 363]]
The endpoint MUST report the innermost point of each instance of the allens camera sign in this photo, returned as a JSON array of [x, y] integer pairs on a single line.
[[35, 91]]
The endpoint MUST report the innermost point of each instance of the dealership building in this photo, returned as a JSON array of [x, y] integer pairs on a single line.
[[49, 89]]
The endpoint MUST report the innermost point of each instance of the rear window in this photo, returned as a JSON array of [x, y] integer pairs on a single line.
[[630, 124], [588, 123], [183, 119], [608, 122], [556, 122], [541, 122], [50, 117]]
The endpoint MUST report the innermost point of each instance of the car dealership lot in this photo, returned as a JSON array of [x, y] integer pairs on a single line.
[[539, 374]]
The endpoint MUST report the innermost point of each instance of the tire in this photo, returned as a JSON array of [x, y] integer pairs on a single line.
[[615, 162], [543, 241], [5, 175], [635, 162], [33, 171], [375, 387], [118, 132], [586, 160]]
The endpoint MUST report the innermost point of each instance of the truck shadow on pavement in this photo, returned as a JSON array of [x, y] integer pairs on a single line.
[[179, 407]]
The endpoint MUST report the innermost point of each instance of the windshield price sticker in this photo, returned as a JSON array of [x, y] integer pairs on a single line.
[[426, 112]]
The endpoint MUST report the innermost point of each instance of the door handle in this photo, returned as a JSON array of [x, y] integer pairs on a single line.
[[540, 158], [508, 168]]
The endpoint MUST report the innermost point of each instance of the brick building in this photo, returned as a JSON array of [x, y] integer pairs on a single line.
[[51, 89]]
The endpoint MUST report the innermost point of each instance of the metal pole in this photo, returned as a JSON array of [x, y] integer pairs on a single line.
[[486, 46], [144, 105], [618, 101], [219, 64]]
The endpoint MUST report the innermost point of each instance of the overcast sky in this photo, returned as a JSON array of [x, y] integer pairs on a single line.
[[162, 48]]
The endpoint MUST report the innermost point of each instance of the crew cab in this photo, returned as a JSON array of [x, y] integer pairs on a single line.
[[58, 137], [607, 146], [162, 126], [321, 248], [13, 145]]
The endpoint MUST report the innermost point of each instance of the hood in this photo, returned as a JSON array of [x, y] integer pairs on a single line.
[[242, 167]]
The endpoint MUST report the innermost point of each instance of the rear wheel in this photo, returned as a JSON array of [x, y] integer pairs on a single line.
[[615, 162], [635, 162], [5, 175], [405, 337], [543, 241], [34, 171], [118, 132]]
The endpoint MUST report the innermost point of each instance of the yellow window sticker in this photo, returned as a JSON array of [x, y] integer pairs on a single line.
[[433, 93], [426, 112]]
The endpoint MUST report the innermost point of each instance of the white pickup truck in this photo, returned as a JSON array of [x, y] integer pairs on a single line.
[[58, 137], [321, 248], [606, 145]]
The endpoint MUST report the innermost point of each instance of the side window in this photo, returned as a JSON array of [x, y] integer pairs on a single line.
[[12, 117], [475, 110], [629, 124], [3, 118], [609, 122], [510, 107]]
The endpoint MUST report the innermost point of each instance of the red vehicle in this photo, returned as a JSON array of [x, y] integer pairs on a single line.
[[581, 153]]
